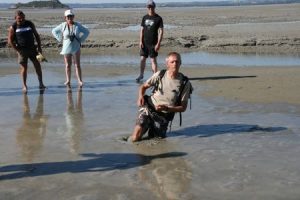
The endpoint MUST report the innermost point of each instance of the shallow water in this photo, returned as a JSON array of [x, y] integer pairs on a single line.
[[48, 28], [65, 144], [203, 58], [189, 58]]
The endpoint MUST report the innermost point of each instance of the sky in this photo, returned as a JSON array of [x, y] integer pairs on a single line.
[[105, 1]]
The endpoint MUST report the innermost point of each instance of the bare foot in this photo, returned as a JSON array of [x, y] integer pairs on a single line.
[[80, 83], [67, 83], [24, 89], [42, 87]]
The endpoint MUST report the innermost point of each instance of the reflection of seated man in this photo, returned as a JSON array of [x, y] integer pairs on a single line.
[[74, 120], [31, 134], [166, 177]]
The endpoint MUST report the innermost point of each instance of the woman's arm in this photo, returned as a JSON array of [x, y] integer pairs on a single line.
[[84, 32], [57, 32]]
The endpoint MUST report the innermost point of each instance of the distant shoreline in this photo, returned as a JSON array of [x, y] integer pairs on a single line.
[[170, 4]]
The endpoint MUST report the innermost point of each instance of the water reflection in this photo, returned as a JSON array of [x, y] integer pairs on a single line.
[[190, 58], [31, 134], [248, 59], [167, 178], [138, 27], [47, 28], [74, 120], [204, 58]]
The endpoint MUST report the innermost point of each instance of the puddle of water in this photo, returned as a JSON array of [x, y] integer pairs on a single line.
[[203, 58], [137, 27], [196, 58], [261, 23], [48, 28], [191, 59]]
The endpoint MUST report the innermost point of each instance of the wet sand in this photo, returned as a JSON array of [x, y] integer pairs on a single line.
[[66, 145], [251, 84], [240, 140]]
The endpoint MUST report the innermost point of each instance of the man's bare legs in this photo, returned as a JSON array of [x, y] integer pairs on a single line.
[[142, 68], [23, 73], [137, 134], [38, 70], [154, 64], [78, 68]]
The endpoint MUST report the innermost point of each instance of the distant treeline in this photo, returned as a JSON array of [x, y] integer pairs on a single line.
[[52, 4], [36, 4], [41, 4]]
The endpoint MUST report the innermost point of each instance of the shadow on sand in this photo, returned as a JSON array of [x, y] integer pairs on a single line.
[[218, 129], [94, 163], [218, 77], [61, 89], [91, 86]]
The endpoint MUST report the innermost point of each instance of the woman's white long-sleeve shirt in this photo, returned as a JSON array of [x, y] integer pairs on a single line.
[[62, 33]]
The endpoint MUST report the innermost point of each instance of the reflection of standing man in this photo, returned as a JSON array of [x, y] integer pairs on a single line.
[[74, 120], [21, 37], [151, 35], [31, 134]]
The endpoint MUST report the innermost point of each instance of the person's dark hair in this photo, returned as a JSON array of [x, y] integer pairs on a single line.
[[19, 13], [151, 3], [173, 53]]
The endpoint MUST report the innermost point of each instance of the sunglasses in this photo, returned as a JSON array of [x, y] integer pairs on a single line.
[[70, 16]]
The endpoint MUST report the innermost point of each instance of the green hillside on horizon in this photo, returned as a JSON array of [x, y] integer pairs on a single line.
[[42, 4]]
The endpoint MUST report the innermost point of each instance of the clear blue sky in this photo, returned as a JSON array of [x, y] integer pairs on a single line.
[[107, 1]]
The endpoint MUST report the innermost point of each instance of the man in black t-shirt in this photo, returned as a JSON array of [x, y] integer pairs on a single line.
[[21, 36], [151, 35]]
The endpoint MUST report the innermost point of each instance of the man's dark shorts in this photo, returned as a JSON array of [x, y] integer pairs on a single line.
[[25, 53], [148, 50], [155, 124]]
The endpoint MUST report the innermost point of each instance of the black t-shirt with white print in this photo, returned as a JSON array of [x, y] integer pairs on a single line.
[[24, 36], [151, 25]]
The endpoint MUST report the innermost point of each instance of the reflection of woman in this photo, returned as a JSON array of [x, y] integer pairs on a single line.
[[74, 120], [31, 134], [72, 34]]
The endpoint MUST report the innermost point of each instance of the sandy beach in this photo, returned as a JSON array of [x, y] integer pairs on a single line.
[[267, 28], [240, 140]]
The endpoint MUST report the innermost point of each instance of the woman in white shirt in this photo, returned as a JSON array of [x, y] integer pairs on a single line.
[[72, 34]]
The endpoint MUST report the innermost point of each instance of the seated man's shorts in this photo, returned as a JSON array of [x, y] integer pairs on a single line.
[[155, 124]]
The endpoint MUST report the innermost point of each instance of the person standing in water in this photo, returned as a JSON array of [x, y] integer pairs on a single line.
[[151, 35], [22, 35], [72, 34]]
